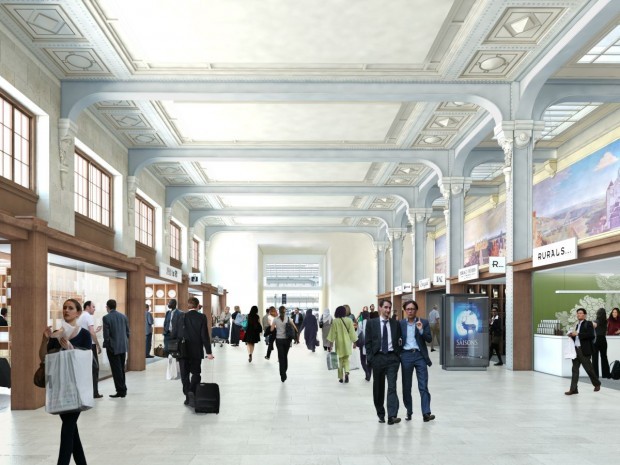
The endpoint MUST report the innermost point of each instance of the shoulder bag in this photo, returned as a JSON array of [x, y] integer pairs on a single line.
[[290, 331], [178, 347]]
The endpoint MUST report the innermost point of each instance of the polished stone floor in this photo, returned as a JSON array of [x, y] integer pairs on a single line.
[[493, 417]]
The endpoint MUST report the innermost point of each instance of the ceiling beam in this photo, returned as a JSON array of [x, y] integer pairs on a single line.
[[387, 216], [141, 158], [76, 96], [375, 233], [404, 193]]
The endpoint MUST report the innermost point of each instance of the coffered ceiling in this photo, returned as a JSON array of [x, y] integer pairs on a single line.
[[366, 43]]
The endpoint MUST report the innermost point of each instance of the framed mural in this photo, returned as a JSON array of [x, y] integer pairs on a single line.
[[441, 254], [582, 200], [485, 236]]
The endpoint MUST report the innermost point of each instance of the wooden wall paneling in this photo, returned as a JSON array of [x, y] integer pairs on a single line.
[[523, 333], [183, 293], [135, 314], [29, 317]]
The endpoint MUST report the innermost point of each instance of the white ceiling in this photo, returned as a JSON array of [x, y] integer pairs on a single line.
[[341, 42]]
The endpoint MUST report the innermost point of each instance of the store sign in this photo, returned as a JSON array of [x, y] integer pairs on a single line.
[[467, 273], [497, 264], [407, 287], [439, 279], [554, 253], [424, 284], [170, 272], [195, 278], [398, 290]]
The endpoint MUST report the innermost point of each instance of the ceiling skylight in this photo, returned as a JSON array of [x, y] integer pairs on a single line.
[[558, 118], [487, 171], [607, 51]]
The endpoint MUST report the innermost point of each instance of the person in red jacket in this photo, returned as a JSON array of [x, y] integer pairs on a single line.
[[613, 323]]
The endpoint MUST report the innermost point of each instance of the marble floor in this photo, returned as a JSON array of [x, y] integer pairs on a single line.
[[493, 417]]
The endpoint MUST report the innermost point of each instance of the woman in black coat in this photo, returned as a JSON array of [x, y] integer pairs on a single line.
[[311, 327], [235, 329], [600, 344], [253, 331]]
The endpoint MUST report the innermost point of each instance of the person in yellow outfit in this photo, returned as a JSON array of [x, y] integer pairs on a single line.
[[343, 335]]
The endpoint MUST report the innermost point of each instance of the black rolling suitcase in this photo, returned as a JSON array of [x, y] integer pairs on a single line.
[[207, 398]]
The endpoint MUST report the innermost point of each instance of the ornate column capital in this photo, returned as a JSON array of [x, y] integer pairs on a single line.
[[454, 185], [67, 130], [396, 234], [419, 215], [519, 134], [381, 246]]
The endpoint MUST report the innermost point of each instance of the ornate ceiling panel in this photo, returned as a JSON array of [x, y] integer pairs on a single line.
[[287, 201]]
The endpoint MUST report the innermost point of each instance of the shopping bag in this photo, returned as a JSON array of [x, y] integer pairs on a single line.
[[332, 361], [354, 361], [69, 381], [569, 349], [173, 371]]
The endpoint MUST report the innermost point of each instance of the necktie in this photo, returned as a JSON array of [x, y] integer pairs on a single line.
[[384, 338]]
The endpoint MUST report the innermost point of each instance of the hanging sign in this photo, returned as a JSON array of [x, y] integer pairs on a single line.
[[554, 253], [497, 264], [170, 272], [469, 272], [195, 278], [407, 287], [424, 284], [220, 290], [398, 290], [439, 279]]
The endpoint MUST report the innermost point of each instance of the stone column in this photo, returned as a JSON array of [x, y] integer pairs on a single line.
[[188, 264], [63, 201], [420, 216], [29, 315], [397, 236], [129, 233], [165, 252], [517, 140], [454, 190], [380, 248]]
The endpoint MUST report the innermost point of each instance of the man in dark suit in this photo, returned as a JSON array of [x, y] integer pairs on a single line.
[[171, 315], [414, 355], [298, 319], [383, 345], [583, 337], [193, 327], [115, 341], [3, 314]]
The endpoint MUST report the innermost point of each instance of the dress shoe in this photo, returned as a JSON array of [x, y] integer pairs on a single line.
[[98, 396], [346, 377], [597, 388], [393, 420], [117, 395], [340, 380], [191, 399], [381, 419], [428, 417], [266, 358], [570, 393], [408, 417], [499, 364]]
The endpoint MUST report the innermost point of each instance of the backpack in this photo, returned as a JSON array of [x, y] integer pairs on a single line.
[[615, 370]]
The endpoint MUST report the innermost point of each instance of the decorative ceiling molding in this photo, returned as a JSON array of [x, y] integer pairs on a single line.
[[82, 62], [523, 25], [44, 22], [495, 64]]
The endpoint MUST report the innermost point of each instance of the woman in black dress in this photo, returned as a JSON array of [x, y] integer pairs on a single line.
[[311, 327], [253, 331], [600, 344], [71, 336]]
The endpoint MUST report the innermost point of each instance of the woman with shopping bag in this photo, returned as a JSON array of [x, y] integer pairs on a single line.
[[69, 337]]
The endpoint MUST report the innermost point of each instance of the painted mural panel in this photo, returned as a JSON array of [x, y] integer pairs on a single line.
[[580, 201], [441, 254], [485, 236]]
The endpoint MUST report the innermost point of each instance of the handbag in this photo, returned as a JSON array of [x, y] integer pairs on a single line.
[[173, 370], [241, 334], [178, 347], [569, 349], [39, 376], [332, 361], [290, 331], [159, 351]]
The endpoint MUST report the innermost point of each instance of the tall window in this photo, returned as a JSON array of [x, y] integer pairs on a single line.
[[175, 241], [15, 144], [92, 191], [145, 224], [196, 254]]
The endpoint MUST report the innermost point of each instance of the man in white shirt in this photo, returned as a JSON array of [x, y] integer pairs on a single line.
[[433, 321], [87, 321]]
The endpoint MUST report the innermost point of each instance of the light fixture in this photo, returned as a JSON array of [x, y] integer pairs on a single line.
[[586, 291]]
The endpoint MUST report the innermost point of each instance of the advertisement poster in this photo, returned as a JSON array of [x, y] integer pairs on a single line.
[[465, 332], [468, 329]]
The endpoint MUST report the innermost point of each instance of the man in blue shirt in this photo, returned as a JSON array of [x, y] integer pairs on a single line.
[[416, 333]]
